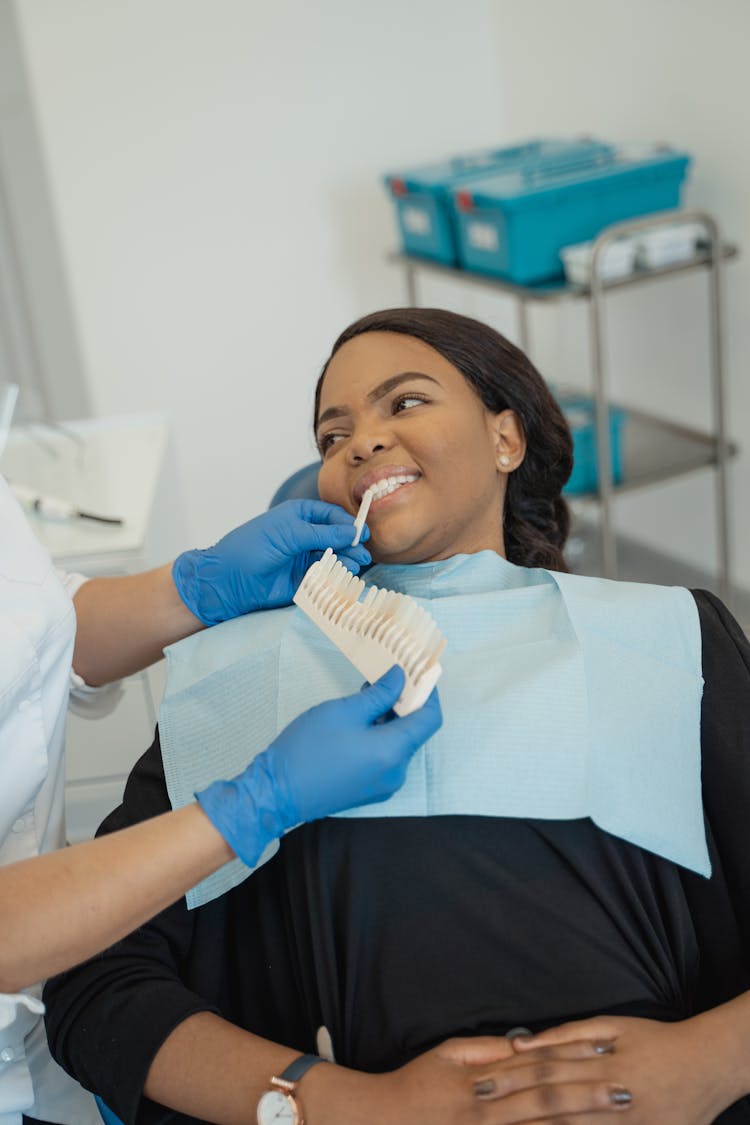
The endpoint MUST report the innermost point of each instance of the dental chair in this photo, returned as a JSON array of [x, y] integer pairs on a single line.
[[107, 1116], [302, 485]]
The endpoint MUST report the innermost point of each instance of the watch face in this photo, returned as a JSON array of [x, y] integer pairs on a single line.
[[275, 1108]]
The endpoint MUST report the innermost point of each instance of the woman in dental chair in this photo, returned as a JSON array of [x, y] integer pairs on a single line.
[[569, 854]]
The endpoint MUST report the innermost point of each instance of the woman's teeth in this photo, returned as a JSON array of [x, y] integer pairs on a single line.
[[388, 485], [377, 491]]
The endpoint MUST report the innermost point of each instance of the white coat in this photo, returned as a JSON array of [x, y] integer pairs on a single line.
[[37, 630]]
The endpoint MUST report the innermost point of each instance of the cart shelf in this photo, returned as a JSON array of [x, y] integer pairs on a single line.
[[654, 448], [558, 290]]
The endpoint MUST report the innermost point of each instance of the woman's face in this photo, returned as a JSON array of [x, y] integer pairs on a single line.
[[393, 407]]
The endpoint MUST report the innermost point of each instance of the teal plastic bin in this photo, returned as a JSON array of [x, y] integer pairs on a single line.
[[423, 197], [515, 223], [579, 411]]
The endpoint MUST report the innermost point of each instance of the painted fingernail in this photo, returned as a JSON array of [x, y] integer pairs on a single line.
[[519, 1033], [604, 1047], [618, 1095], [484, 1089]]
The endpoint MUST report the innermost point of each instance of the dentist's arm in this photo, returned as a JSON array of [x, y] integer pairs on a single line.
[[60, 909], [124, 624]]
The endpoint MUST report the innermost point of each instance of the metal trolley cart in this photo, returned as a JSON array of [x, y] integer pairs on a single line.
[[655, 449]]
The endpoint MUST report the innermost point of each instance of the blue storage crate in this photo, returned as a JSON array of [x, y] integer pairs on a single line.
[[579, 411], [423, 196], [514, 225]]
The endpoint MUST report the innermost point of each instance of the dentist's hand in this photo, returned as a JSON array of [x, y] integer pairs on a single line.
[[260, 564], [338, 755]]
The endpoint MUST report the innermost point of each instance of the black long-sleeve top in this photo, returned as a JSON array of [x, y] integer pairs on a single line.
[[398, 933]]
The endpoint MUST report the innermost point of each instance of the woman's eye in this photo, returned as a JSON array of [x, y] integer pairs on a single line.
[[406, 402], [327, 440]]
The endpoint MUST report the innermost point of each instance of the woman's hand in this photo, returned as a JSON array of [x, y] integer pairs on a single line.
[[676, 1073], [483, 1081], [437, 1087], [260, 564]]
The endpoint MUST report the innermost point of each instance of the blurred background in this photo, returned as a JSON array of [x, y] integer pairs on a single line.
[[194, 196]]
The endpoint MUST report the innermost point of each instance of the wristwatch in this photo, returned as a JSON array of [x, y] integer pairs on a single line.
[[279, 1105]]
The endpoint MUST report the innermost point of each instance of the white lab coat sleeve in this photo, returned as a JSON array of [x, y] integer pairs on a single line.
[[91, 702], [18, 1014]]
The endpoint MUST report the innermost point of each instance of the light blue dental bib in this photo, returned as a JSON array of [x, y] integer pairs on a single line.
[[562, 696]]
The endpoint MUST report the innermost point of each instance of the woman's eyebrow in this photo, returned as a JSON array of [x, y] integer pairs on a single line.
[[377, 392]]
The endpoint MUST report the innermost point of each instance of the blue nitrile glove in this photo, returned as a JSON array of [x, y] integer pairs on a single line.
[[333, 757], [260, 564]]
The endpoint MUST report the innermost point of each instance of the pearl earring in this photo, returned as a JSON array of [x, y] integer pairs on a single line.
[[505, 460]]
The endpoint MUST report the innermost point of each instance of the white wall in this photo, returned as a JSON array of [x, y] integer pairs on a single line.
[[215, 166], [673, 70], [38, 344], [215, 170]]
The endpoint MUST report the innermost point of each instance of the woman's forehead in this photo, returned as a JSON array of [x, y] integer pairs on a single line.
[[368, 359]]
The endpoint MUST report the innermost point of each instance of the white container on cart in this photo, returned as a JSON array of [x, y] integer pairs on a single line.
[[617, 261]]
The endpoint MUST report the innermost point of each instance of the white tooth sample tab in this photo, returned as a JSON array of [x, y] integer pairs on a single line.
[[364, 508]]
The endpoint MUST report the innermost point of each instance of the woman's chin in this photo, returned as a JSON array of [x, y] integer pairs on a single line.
[[404, 540], [395, 551], [430, 547]]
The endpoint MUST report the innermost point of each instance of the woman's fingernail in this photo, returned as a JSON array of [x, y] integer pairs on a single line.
[[485, 1088], [618, 1095], [519, 1033], [605, 1047]]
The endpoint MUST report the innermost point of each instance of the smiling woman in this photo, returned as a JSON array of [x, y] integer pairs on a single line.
[[426, 393], [571, 846]]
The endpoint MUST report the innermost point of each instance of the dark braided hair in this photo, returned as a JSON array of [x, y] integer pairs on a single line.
[[536, 519]]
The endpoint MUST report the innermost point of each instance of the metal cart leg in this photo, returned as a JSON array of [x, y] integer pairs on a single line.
[[719, 408], [603, 450], [412, 300], [523, 325]]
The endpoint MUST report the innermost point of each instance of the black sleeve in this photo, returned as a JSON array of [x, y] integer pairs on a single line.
[[725, 731], [107, 1018]]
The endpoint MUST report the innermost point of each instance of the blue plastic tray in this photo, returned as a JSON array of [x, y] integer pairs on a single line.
[[514, 224], [579, 412], [423, 196]]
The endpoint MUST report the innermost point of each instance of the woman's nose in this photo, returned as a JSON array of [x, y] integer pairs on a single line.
[[367, 440]]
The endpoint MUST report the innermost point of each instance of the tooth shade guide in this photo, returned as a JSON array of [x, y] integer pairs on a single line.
[[383, 629]]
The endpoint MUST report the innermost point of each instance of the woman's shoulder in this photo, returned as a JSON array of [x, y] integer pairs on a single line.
[[723, 637], [725, 750], [145, 794], [725, 711]]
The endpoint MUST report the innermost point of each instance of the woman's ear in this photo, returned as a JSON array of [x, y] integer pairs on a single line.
[[509, 439]]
